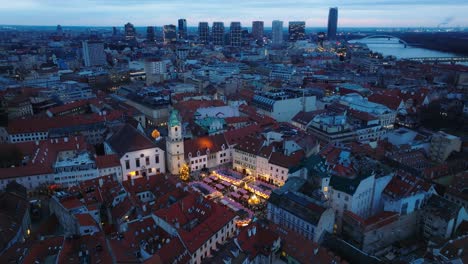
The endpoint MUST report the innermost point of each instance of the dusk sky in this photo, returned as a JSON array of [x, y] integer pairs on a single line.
[[352, 13]]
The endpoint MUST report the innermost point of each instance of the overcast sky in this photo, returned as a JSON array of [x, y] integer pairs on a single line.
[[352, 13]]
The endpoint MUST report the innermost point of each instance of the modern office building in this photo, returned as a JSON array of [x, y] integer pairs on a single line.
[[150, 34], [332, 23], [235, 32], [217, 33], [203, 32], [169, 34], [257, 29], [130, 32], [296, 30], [182, 29], [277, 33], [93, 53]]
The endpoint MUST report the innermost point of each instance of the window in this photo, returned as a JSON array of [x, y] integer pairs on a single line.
[[147, 161], [156, 158], [176, 129], [404, 208], [127, 164], [137, 162]]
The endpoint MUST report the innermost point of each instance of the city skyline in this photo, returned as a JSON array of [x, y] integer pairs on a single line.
[[357, 13]]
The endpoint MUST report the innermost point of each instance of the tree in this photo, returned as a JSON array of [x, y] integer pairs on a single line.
[[184, 172]]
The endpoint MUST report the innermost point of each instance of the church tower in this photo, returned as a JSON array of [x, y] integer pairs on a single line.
[[174, 143]]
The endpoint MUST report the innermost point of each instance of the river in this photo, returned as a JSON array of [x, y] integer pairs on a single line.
[[393, 48]]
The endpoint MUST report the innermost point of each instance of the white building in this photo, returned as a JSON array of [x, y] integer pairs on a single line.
[[93, 53], [405, 194], [139, 156], [174, 144]]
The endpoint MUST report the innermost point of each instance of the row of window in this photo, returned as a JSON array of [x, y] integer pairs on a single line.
[[137, 161]]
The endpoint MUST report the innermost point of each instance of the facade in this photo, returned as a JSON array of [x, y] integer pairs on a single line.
[[175, 144], [442, 145], [296, 211], [155, 70], [406, 194], [257, 30], [375, 234], [169, 34], [93, 53], [203, 32], [150, 34], [217, 33], [442, 217], [296, 30], [277, 33], [283, 105], [182, 34], [130, 32], [332, 23], [235, 33], [139, 156]]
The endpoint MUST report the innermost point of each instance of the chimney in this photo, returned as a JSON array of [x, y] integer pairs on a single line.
[[65, 139], [254, 230], [101, 182], [132, 180], [37, 142], [316, 251], [249, 232], [77, 146]]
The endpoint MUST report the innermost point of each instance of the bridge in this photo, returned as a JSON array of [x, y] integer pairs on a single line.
[[439, 59], [389, 37]]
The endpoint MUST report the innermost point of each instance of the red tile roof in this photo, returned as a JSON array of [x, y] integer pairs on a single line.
[[286, 161], [66, 107], [260, 243], [213, 143], [107, 161], [95, 245], [43, 156], [236, 136], [85, 220], [405, 185], [207, 218], [43, 124]]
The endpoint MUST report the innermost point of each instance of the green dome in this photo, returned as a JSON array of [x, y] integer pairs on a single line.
[[174, 118]]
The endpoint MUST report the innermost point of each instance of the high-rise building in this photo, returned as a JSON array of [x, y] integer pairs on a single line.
[[257, 29], [130, 32], [169, 34], [332, 22], [182, 28], [155, 71], [93, 53], [296, 30], [203, 32], [59, 30], [114, 31], [150, 34], [235, 32], [217, 32], [277, 33]]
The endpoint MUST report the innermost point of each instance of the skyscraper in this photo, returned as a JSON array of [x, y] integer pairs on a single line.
[[257, 29], [203, 32], [332, 22], [93, 53], [130, 32], [169, 34], [218, 33], [150, 34], [296, 30], [182, 28], [277, 33], [114, 31], [235, 32], [59, 30]]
